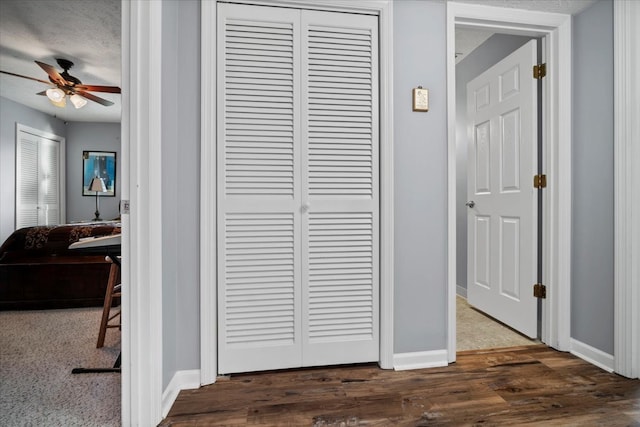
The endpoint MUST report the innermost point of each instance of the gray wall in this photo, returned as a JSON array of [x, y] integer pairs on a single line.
[[181, 186], [592, 294], [11, 113], [420, 144], [420, 160], [420, 150], [420, 183], [87, 136], [494, 49]]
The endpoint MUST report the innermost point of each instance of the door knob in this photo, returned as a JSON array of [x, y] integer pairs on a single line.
[[305, 207], [470, 203]]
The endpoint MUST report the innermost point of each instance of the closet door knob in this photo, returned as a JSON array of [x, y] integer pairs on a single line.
[[470, 203]]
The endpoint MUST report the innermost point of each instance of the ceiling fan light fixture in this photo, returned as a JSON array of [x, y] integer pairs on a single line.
[[55, 94], [77, 100], [62, 103], [62, 84]]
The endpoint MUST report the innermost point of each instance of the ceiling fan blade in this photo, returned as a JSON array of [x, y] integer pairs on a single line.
[[94, 98], [94, 88], [53, 73], [25, 77]]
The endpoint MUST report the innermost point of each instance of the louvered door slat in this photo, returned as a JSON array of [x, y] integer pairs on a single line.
[[258, 75], [259, 285], [337, 285]]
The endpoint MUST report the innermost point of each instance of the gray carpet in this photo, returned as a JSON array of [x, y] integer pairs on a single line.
[[477, 331], [38, 350]]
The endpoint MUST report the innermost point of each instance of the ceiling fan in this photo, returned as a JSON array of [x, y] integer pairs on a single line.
[[66, 84]]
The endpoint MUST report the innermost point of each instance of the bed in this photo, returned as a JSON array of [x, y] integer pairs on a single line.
[[39, 271]]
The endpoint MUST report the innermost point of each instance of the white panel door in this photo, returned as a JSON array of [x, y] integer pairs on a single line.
[[297, 188], [502, 220]]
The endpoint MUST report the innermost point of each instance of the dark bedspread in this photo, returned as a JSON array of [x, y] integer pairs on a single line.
[[45, 241]]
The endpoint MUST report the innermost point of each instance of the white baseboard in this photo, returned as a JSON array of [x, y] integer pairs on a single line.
[[420, 360], [592, 355], [461, 291], [182, 380]]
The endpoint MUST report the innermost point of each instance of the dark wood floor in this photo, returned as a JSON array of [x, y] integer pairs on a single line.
[[531, 385]]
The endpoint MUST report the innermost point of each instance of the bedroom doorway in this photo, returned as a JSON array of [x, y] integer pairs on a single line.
[[36, 171], [552, 28], [492, 313]]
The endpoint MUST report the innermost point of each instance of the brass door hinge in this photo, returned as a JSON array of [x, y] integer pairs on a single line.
[[539, 290], [540, 181], [539, 71]]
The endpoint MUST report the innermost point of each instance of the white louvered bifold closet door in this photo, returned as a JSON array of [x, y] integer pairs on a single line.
[[297, 188], [37, 181]]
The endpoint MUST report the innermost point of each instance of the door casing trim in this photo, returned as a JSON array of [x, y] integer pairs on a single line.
[[626, 16], [141, 137]]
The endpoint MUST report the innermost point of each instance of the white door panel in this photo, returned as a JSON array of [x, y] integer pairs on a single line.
[[502, 224], [258, 216], [340, 187]]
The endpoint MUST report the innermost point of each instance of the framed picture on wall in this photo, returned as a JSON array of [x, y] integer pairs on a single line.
[[100, 164]]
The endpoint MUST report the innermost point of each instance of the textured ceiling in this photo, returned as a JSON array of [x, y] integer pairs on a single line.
[[87, 32]]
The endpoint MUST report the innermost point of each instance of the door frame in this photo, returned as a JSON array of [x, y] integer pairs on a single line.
[[141, 136], [555, 29], [208, 216], [626, 56]]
